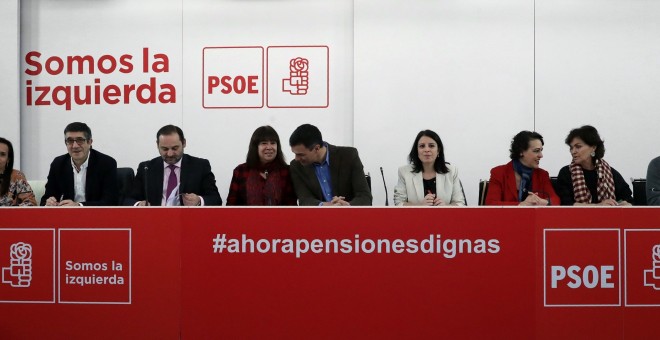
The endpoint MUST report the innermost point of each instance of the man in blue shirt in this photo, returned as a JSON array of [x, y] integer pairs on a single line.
[[324, 174]]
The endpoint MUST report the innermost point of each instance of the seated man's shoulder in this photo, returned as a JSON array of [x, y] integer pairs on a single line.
[[295, 165], [345, 150], [342, 147], [196, 161], [149, 163], [192, 158], [655, 162], [155, 160], [61, 158], [102, 156]]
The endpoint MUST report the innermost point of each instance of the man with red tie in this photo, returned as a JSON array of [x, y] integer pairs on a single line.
[[174, 178]]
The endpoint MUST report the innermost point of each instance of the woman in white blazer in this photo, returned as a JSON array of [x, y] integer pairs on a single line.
[[428, 180]]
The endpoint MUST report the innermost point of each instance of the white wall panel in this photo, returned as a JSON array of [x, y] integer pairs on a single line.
[[598, 63], [461, 68], [9, 91], [70, 27]]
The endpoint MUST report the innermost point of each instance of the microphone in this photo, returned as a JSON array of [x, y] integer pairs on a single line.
[[146, 184], [387, 201]]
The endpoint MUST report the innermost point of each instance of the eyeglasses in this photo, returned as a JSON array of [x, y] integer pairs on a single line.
[[79, 141]]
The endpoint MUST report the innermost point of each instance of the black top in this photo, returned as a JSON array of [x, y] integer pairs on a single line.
[[429, 186], [565, 186]]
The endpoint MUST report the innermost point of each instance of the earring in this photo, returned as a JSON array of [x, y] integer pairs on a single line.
[[593, 154]]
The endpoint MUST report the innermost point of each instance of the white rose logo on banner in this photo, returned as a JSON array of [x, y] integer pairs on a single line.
[[297, 84], [19, 272], [652, 276]]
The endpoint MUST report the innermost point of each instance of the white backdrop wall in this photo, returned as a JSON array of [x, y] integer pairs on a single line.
[[96, 28], [462, 69], [598, 62], [9, 69], [476, 72]]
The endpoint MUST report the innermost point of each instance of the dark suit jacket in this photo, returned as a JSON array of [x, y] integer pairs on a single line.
[[502, 188], [346, 175], [196, 178], [100, 184], [653, 182]]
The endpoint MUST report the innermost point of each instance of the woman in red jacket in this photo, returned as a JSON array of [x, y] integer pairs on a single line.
[[521, 181]]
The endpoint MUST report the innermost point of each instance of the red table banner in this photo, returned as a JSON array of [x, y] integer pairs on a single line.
[[192, 273]]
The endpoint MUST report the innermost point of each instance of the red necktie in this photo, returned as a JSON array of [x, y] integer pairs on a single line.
[[171, 182]]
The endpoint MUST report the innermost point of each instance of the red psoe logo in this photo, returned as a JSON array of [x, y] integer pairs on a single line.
[[233, 77], [298, 76], [642, 259], [298, 81], [581, 267]]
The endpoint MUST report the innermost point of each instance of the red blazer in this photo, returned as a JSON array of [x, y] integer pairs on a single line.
[[502, 188]]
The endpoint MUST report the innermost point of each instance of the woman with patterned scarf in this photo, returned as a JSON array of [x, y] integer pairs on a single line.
[[14, 188], [264, 177], [522, 181], [589, 180]]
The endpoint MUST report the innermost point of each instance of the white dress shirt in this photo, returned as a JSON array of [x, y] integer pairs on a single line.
[[79, 181]]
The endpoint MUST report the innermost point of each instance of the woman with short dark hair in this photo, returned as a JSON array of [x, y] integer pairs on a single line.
[[264, 178], [522, 181], [14, 188], [589, 179]]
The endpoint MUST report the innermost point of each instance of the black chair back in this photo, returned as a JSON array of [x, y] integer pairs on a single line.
[[555, 185], [639, 191], [483, 191], [125, 177]]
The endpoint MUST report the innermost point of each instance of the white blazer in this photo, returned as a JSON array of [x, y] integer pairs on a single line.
[[410, 187]]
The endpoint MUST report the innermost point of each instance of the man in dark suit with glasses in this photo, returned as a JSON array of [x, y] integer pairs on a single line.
[[82, 176]]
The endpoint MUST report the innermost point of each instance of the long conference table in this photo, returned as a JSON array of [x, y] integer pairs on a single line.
[[215, 273]]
